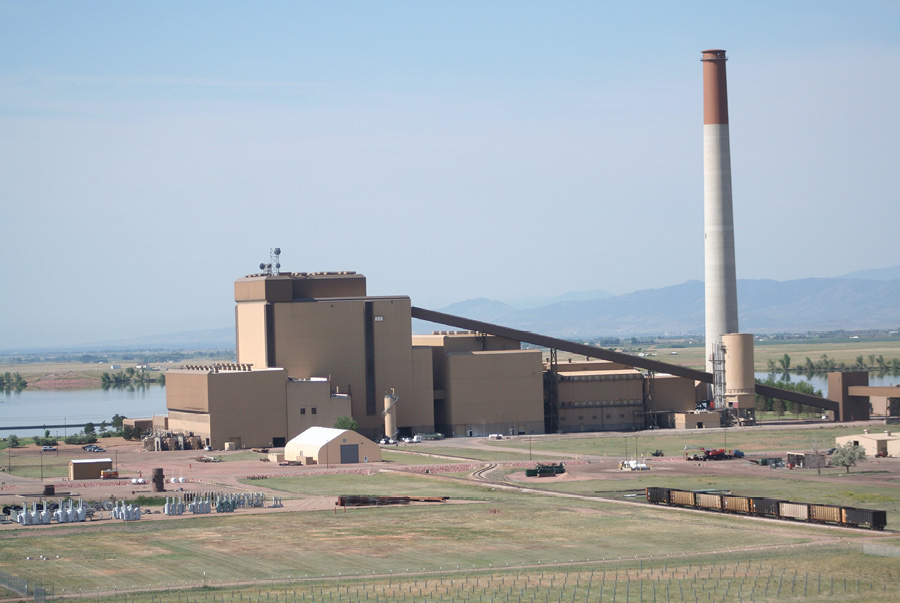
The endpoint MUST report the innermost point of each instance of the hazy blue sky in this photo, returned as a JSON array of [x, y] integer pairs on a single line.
[[151, 153]]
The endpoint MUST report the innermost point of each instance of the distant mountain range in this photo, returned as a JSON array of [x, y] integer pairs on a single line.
[[866, 299], [861, 300]]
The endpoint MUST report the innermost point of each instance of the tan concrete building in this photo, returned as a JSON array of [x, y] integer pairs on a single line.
[[875, 444], [324, 325], [697, 419], [484, 384], [312, 347], [245, 407], [328, 446]]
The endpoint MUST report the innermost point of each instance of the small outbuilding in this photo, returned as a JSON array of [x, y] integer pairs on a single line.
[[697, 419], [875, 444], [88, 468], [807, 460], [329, 446]]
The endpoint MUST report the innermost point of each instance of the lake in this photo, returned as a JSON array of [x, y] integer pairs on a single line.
[[34, 406]]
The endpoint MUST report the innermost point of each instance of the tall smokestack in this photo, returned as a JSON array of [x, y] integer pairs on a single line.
[[718, 221]]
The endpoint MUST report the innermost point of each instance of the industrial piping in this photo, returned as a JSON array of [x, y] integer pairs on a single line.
[[718, 220]]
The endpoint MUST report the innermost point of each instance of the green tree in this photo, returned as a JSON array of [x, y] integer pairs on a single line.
[[848, 455], [13, 441], [346, 423], [778, 407], [46, 433], [770, 364], [785, 362], [860, 362], [117, 421], [89, 429]]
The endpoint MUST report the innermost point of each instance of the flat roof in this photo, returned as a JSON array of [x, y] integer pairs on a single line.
[[88, 461]]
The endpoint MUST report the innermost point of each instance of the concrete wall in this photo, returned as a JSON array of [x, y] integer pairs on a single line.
[[417, 416], [494, 392], [250, 323], [673, 393], [328, 338], [311, 404], [602, 400], [245, 407]]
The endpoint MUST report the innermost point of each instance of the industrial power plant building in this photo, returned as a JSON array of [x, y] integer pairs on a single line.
[[312, 347]]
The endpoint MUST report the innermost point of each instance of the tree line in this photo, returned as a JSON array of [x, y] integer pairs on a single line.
[[780, 407], [88, 435], [825, 364], [131, 376]]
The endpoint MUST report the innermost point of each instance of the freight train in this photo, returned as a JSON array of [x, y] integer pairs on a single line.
[[769, 507]]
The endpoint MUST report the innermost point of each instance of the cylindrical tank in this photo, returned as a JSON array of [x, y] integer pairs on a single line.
[[390, 414], [740, 385]]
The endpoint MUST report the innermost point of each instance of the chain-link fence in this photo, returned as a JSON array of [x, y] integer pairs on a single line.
[[24, 588]]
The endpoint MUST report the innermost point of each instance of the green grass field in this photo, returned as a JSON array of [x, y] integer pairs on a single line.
[[493, 536], [754, 440]]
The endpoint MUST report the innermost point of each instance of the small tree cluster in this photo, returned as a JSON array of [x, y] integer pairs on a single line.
[[80, 438], [346, 423], [12, 381]]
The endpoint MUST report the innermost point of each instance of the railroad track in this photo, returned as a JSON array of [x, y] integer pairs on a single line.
[[480, 473]]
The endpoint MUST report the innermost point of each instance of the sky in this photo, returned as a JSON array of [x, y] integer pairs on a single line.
[[152, 153]]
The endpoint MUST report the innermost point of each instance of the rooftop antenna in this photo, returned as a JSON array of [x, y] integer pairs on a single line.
[[273, 268]]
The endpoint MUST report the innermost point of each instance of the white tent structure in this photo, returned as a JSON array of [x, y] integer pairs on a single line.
[[328, 446]]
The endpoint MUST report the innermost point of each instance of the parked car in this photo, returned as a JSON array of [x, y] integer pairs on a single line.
[[48, 449]]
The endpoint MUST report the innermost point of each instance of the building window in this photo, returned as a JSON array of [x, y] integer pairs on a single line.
[[313, 409], [379, 319], [594, 417], [608, 416], [302, 411], [621, 416]]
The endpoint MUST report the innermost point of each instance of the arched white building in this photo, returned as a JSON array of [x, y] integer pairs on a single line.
[[329, 446]]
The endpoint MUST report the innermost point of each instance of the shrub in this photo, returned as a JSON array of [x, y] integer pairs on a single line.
[[80, 439]]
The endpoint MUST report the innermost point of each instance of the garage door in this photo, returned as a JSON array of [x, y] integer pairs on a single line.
[[349, 453]]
